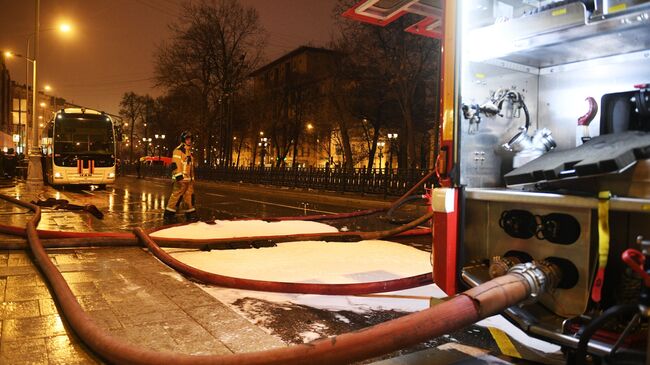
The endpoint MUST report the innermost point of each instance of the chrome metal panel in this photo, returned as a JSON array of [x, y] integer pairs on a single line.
[[555, 19], [563, 302], [555, 97], [557, 200], [483, 162], [619, 33], [476, 231], [562, 91]]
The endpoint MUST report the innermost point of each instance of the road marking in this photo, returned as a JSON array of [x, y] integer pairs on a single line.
[[88, 192], [287, 206], [214, 194], [503, 342]]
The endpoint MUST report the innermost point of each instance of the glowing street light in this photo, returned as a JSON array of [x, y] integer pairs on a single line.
[[34, 168], [65, 28], [392, 138], [310, 126], [381, 152], [47, 88]]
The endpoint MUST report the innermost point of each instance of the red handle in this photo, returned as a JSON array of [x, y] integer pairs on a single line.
[[636, 261], [598, 285]]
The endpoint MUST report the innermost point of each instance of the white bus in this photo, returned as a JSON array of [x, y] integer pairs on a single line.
[[79, 148]]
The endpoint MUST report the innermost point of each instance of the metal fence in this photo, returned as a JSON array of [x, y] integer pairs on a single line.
[[377, 181]]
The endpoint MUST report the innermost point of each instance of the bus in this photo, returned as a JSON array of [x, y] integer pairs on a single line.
[[79, 148]]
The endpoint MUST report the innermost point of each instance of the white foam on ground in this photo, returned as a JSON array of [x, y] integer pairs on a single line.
[[247, 228], [321, 262]]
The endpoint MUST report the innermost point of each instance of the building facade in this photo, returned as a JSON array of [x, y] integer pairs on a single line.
[[291, 96], [6, 128]]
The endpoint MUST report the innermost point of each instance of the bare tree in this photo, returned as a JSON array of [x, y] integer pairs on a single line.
[[401, 63], [215, 46], [131, 108]]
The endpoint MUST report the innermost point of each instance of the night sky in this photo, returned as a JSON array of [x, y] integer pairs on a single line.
[[110, 49]]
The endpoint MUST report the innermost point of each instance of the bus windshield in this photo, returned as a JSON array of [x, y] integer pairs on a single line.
[[83, 136]]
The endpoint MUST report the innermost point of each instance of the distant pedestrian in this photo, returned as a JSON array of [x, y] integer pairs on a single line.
[[137, 168], [183, 176]]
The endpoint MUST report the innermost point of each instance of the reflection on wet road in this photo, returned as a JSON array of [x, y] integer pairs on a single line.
[[135, 202]]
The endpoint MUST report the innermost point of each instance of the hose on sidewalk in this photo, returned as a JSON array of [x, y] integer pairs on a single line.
[[109, 239], [458, 312]]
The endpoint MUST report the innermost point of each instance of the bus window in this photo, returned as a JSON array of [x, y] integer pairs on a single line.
[[88, 137]]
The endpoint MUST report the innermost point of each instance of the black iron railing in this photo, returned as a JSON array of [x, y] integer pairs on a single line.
[[376, 181]]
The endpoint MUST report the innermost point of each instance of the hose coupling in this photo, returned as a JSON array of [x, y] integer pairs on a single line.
[[499, 265], [541, 276]]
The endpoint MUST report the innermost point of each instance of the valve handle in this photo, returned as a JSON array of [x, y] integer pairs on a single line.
[[636, 261]]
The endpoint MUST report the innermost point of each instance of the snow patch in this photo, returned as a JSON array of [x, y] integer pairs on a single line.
[[247, 228], [341, 318], [309, 336], [319, 262]]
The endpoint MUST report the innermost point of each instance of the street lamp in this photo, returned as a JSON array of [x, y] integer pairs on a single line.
[[392, 137], [263, 143], [381, 154], [34, 168], [162, 138], [65, 28]]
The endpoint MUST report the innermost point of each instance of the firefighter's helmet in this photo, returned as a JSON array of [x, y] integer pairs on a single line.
[[185, 135]]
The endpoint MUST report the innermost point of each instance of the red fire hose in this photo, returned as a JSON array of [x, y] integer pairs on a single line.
[[47, 234], [132, 241], [281, 287], [459, 311], [101, 239]]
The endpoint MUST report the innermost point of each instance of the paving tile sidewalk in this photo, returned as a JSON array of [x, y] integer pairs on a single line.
[[128, 293]]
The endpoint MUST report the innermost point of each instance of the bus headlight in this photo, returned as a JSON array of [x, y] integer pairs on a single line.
[[57, 175], [111, 175]]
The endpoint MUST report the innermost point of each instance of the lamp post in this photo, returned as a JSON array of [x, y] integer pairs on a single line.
[[381, 153], [146, 142], [34, 168], [263, 143], [392, 137], [162, 138]]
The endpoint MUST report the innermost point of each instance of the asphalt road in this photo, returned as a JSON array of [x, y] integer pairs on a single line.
[[133, 202]]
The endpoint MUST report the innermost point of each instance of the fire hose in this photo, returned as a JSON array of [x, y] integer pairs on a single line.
[[281, 287], [455, 313], [395, 207], [103, 239], [85, 239]]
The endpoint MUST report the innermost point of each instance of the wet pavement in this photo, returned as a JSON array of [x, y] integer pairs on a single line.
[[135, 297], [135, 202]]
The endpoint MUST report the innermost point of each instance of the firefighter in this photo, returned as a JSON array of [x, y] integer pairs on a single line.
[[183, 176]]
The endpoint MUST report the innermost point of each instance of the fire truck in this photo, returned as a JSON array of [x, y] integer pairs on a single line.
[[544, 160]]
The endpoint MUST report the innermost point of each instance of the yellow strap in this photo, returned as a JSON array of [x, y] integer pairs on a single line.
[[603, 227], [503, 341]]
